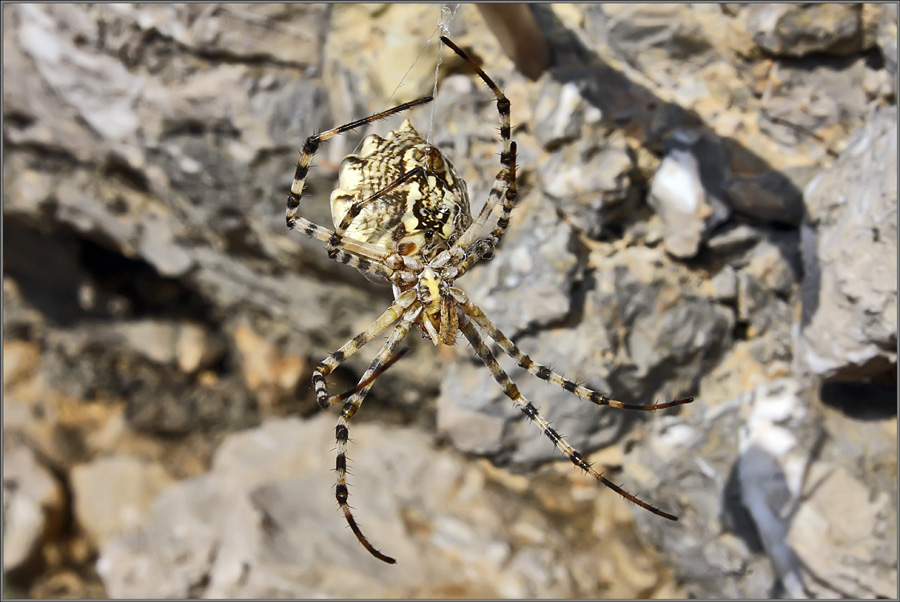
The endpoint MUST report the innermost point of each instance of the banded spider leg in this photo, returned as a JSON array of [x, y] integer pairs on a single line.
[[468, 310]]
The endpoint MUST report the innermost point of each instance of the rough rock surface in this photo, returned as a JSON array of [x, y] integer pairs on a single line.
[[849, 325], [111, 494], [667, 241], [798, 30], [258, 526], [33, 506]]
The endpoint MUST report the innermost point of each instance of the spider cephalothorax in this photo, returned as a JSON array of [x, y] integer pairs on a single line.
[[401, 215]]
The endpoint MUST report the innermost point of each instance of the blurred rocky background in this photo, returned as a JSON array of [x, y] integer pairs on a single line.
[[708, 207]]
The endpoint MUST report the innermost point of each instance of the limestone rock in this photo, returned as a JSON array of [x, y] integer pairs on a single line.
[[34, 506], [687, 192], [848, 329], [154, 301], [262, 523], [112, 494], [591, 185], [526, 284]]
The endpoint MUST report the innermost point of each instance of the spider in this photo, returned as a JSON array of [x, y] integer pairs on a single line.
[[401, 215]]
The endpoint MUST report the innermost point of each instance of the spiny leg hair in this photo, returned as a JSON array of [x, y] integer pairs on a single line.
[[506, 174], [365, 382], [342, 432], [483, 248], [512, 391], [335, 359]]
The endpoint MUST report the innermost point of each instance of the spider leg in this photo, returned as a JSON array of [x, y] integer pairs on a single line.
[[506, 175], [364, 382], [327, 366], [361, 249], [342, 432], [483, 248], [509, 200], [512, 391], [544, 373]]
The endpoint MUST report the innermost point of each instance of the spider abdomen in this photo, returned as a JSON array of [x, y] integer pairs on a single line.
[[401, 194]]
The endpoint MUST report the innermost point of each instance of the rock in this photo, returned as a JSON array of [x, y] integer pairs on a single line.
[[141, 359], [163, 343], [775, 444], [147, 154], [21, 360], [767, 276], [263, 524], [687, 191], [775, 262], [477, 417], [800, 505], [591, 186], [887, 40], [766, 315], [647, 33], [561, 112], [527, 282], [34, 507], [733, 239], [698, 450], [724, 285], [831, 535], [769, 196], [773, 496], [266, 371], [812, 108], [112, 494], [798, 30], [848, 329], [640, 337]]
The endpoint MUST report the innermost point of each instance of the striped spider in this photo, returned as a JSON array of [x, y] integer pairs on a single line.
[[402, 216]]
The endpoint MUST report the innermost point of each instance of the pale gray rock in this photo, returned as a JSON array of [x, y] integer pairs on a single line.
[[499, 430], [733, 239], [775, 262], [147, 154], [725, 284], [840, 535], [34, 505], [771, 468], [848, 329], [590, 184], [767, 276], [639, 339], [687, 191], [643, 33], [561, 112], [263, 523], [762, 502], [112, 494], [766, 315], [528, 281], [807, 103], [715, 547], [887, 40]]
